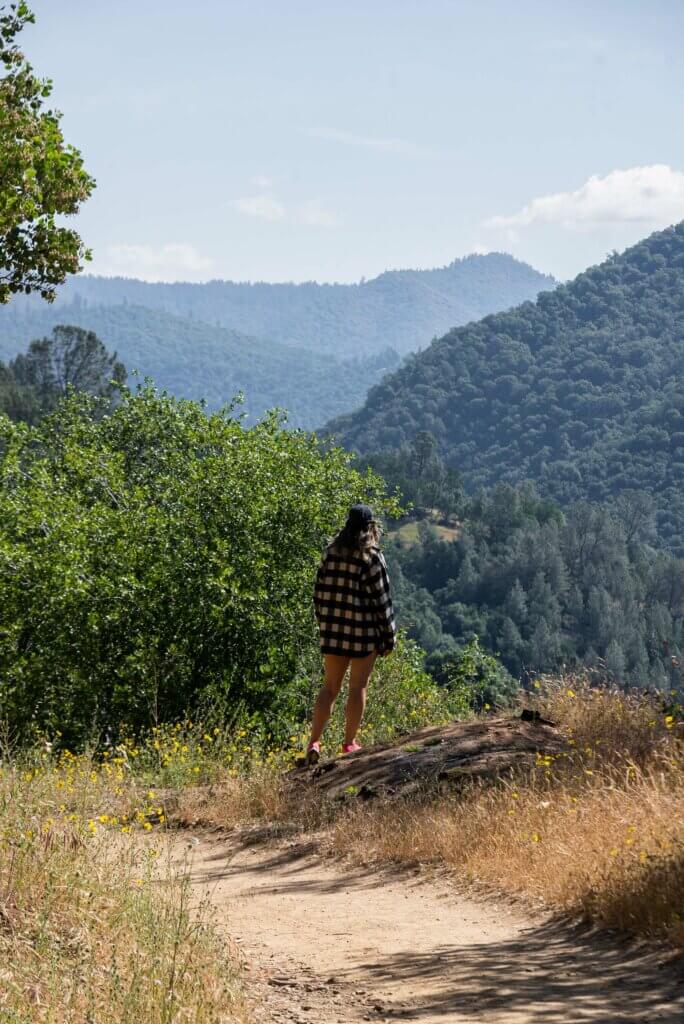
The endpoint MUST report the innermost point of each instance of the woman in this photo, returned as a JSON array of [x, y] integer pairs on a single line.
[[356, 621]]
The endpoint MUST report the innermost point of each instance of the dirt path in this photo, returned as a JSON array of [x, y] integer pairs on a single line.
[[335, 944]]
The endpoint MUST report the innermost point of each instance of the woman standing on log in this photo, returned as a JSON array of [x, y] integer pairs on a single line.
[[356, 622]]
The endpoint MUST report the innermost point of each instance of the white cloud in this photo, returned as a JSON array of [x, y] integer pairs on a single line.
[[264, 207], [174, 261], [383, 145], [310, 212], [640, 195]]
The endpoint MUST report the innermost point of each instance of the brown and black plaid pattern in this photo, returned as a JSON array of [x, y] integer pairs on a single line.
[[353, 603]]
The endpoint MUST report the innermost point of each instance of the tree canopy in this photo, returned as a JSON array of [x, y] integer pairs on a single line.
[[34, 383], [157, 557], [545, 589], [41, 176]]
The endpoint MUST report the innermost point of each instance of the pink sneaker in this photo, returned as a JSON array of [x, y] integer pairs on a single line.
[[351, 748], [313, 754]]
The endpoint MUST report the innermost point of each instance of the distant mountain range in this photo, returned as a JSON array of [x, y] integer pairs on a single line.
[[582, 390], [314, 349], [196, 360]]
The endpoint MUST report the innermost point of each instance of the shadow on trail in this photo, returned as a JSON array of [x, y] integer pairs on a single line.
[[555, 973], [286, 865], [295, 853]]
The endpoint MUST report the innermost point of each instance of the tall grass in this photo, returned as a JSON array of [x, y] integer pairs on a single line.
[[89, 919], [92, 926]]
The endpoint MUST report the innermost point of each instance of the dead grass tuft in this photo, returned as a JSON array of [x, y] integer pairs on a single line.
[[622, 727], [93, 927], [265, 796]]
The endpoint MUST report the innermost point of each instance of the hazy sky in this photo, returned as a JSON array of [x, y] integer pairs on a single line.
[[332, 139]]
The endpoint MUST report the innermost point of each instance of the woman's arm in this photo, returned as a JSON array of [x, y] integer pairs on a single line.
[[378, 589], [319, 594]]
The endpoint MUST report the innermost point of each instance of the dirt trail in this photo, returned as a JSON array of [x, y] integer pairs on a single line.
[[339, 944]]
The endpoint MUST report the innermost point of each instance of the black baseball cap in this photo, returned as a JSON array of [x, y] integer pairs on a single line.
[[360, 516]]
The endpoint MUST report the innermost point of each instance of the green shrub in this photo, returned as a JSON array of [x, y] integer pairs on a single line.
[[157, 559], [475, 678]]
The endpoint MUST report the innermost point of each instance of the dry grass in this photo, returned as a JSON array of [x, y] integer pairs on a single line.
[[597, 831], [260, 796], [608, 851], [619, 728], [92, 926], [407, 532]]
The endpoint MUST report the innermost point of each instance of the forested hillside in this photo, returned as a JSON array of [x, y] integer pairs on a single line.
[[582, 390], [194, 360], [402, 309], [543, 588]]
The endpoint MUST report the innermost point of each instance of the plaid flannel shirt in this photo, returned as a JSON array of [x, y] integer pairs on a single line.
[[353, 603]]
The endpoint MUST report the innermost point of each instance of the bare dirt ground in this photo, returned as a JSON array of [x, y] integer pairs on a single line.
[[328, 942]]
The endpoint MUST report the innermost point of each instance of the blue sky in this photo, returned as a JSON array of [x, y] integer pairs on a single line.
[[331, 140]]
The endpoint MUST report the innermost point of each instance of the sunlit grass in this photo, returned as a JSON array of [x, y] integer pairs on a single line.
[[91, 923], [95, 923]]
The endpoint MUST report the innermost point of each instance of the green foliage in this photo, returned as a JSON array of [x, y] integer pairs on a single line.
[[34, 384], [157, 559], [202, 361], [18, 401], [42, 177], [421, 475], [475, 679], [581, 391]]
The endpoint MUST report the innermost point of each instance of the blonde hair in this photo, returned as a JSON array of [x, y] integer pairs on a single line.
[[362, 540]]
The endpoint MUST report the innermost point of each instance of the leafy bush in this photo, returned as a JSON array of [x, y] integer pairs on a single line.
[[158, 557], [474, 678]]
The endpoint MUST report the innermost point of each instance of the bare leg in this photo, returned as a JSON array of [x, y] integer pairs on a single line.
[[356, 702], [335, 666]]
